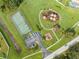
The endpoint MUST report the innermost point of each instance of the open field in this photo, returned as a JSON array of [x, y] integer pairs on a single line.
[[30, 9]]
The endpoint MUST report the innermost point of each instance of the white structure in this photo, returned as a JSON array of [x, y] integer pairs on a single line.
[[74, 3], [20, 23]]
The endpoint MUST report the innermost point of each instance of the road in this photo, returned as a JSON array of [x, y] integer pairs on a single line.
[[63, 48]]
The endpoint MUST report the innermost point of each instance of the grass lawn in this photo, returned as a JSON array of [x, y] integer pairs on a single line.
[[39, 56], [65, 2], [30, 9], [12, 53]]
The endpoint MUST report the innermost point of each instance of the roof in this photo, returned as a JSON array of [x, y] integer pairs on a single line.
[[20, 23], [31, 39]]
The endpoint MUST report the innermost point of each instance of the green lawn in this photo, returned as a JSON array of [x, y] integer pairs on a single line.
[[12, 53], [30, 9], [65, 2]]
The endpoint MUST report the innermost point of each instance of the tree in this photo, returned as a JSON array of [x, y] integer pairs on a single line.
[[0, 45], [10, 4], [39, 27], [70, 31], [71, 53]]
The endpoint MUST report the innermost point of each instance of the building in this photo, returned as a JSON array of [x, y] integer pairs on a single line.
[[48, 36], [30, 41], [20, 23], [33, 39]]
